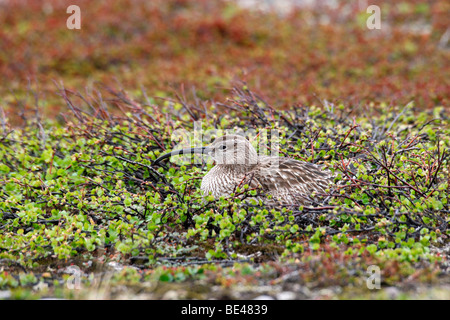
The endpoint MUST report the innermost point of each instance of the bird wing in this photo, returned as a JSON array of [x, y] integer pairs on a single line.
[[289, 179]]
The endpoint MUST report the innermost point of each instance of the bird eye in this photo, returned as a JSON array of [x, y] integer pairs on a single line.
[[223, 147]]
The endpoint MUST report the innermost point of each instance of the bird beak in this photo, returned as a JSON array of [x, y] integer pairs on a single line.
[[202, 150]]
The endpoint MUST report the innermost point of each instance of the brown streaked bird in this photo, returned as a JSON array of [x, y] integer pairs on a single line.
[[289, 181]]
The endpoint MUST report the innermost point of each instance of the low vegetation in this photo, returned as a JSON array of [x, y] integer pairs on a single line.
[[87, 192], [85, 212]]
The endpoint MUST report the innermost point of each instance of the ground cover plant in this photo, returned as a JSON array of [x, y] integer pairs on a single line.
[[87, 192], [86, 213], [322, 52]]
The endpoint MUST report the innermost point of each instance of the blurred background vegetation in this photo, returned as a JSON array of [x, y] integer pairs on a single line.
[[290, 55]]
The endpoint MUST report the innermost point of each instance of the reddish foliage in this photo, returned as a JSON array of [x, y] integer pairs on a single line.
[[311, 53]]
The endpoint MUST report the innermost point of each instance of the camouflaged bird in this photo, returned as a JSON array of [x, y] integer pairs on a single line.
[[287, 180]]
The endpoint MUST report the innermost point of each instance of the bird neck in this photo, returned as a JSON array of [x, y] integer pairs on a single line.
[[235, 168]]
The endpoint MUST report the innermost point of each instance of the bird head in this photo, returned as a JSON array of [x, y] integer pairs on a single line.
[[233, 149], [227, 149]]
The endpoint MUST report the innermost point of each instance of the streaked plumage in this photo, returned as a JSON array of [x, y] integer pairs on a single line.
[[289, 181]]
